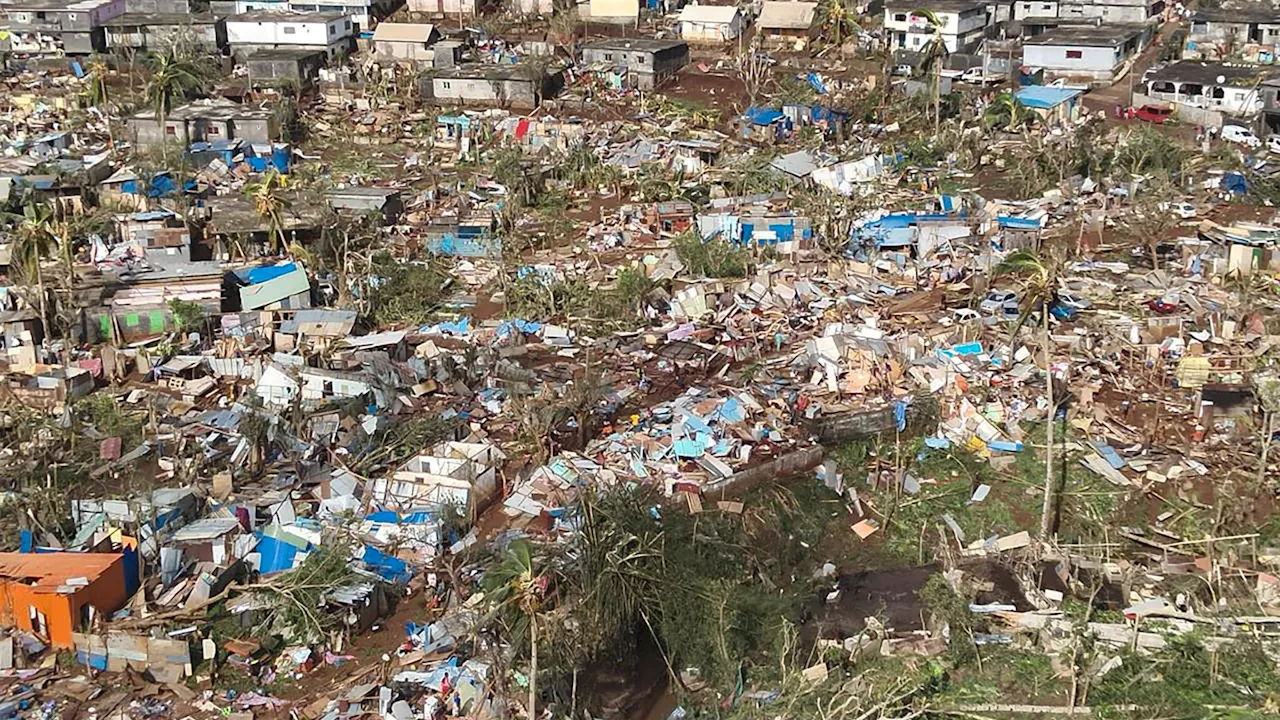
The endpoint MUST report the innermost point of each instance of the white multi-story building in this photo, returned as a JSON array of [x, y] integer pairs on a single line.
[[266, 30], [964, 24]]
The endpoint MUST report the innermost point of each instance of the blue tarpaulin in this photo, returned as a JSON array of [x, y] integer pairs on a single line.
[[255, 276], [390, 568], [763, 115], [818, 86], [1234, 182]]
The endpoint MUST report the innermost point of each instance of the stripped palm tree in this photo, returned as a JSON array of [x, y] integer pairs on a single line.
[[1039, 277], [100, 97], [35, 239], [270, 205], [836, 21], [933, 55], [517, 584], [172, 78]]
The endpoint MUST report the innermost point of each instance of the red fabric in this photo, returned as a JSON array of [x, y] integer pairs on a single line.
[[522, 129]]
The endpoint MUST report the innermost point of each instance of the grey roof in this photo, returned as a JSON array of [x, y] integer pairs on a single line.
[[486, 71], [799, 164], [1190, 71], [362, 192], [209, 110], [1088, 35], [326, 323], [955, 6], [787, 15], [1242, 13], [206, 529], [278, 16], [145, 19], [642, 44]]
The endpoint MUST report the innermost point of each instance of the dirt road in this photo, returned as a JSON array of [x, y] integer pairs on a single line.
[[1118, 93]]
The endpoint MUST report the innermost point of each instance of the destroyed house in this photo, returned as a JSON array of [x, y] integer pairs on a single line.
[[459, 474], [54, 594], [467, 237], [151, 32], [521, 86], [643, 63], [758, 228], [275, 287], [204, 120], [317, 329], [47, 387], [40, 27], [1250, 31]]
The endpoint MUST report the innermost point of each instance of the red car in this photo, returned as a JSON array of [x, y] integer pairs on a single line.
[[1161, 306], [1154, 114]]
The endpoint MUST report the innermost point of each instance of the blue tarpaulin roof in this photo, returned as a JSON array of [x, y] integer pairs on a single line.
[[1044, 97], [762, 115], [1019, 223], [253, 276]]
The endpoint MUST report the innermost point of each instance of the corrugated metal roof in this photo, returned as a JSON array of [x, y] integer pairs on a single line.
[[206, 529], [404, 32], [787, 15], [708, 13], [51, 570], [257, 296]]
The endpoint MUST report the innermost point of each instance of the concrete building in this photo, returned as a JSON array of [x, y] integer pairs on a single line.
[[410, 42], [710, 23], [363, 13], [521, 86], [58, 27], [964, 24], [1269, 120], [1250, 32], [54, 594], [1110, 11], [788, 22], [266, 30], [646, 62], [1231, 89], [1037, 9], [285, 66], [619, 12], [448, 8], [204, 120], [147, 32], [1090, 53]]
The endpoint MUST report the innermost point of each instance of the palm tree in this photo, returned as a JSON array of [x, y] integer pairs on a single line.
[[517, 584], [933, 56], [1006, 110], [171, 78], [100, 97], [1040, 281], [836, 21], [35, 239], [270, 204]]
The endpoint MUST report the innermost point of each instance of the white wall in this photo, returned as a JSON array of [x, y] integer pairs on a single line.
[[1055, 57], [287, 32], [1035, 9], [957, 30]]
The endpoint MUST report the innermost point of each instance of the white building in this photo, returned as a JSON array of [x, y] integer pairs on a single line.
[[1038, 9], [1232, 89], [614, 11], [1092, 54], [363, 13], [710, 23], [964, 24], [266, 30]]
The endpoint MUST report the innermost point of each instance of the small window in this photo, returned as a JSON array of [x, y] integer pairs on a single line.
[[170, 130], [333, 30], [608, 56], [1026, 6], [212, 130], [900, 17], [40, 16], [1046, 6], [290, 30], [640, 59], [445, 84], [347, 24], [71, 17], [1075, 54], [1273, 32]]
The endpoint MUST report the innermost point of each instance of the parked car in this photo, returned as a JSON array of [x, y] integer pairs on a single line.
[[1154, 114], [999, 302], [1073, 301], [978, 76], [1273, 143], [1240, 135], [1183, 210], [904, 69], [1161, 306]]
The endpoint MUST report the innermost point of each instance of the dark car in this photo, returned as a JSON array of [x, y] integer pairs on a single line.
[[1154, 114]]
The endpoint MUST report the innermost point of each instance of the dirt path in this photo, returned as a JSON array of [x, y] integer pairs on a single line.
[[1118, 93]]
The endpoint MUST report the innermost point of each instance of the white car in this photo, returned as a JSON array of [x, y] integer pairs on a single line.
[[999, 302], [1241, 135], [1073, 301], [1273, 143], [1185, 211]]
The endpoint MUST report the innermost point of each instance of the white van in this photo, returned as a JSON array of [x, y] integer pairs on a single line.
[[1240, 134]]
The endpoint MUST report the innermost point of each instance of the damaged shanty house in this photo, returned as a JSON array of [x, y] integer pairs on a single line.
[[205, 120], [640, 63]]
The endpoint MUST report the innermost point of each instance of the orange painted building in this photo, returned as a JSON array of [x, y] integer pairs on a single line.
[[50, 594]]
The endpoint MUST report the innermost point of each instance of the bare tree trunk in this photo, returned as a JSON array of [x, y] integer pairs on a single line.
[[1046, 509], [1268, 432], [533, 666]]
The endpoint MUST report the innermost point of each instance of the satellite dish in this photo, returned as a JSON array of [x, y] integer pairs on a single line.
[[1220, 79]]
